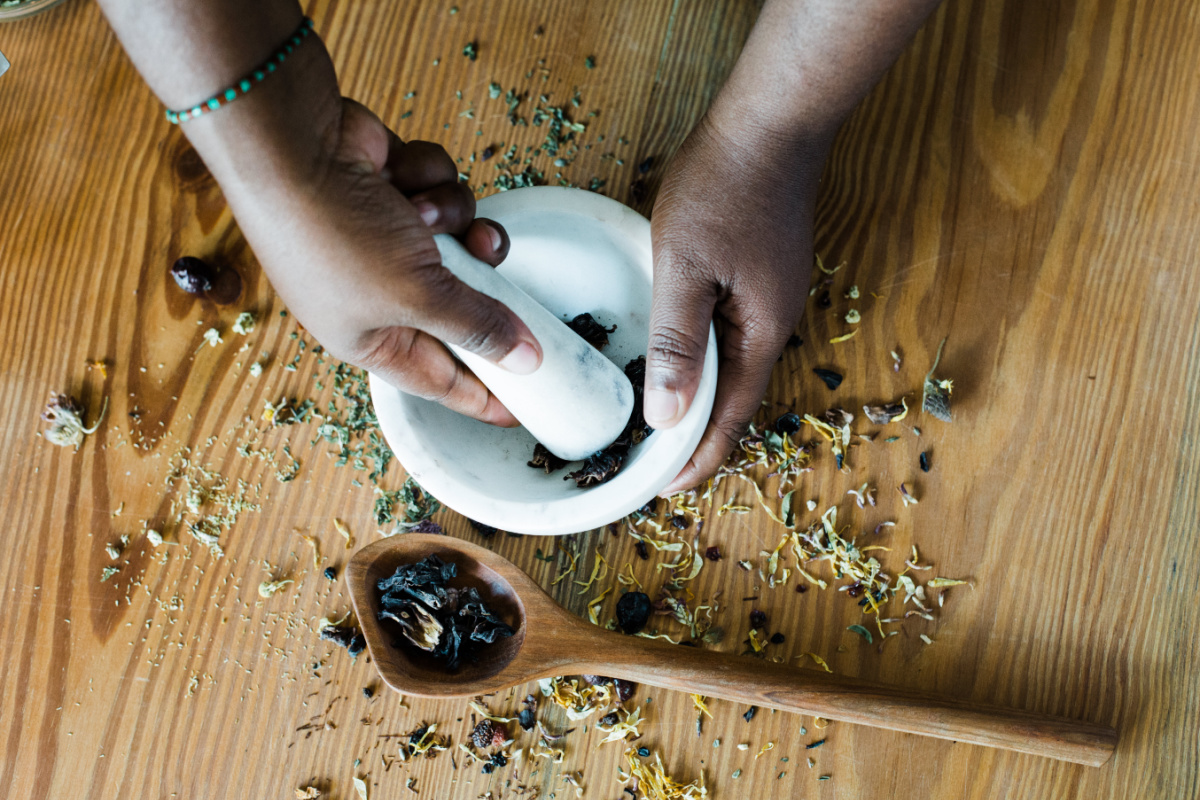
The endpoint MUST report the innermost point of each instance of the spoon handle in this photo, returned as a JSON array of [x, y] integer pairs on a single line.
[[746, 680]]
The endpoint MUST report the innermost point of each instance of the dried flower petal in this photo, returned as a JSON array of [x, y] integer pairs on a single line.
[[937, 392]]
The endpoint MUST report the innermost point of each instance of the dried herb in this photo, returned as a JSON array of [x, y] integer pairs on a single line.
[[330, 573], [861, 631], [591, 331], [368, 692], [345, 636], [545, 460], [193, 275], [597, 468], [814, 745], [590, 62], [750, 712], [882, 415], [789, 423], [832, 379], [489, 734], [471, 50], [633, 612], [924, 460], [526, 718], [937, 392], [442, 620], [65, 415], [486, 531]]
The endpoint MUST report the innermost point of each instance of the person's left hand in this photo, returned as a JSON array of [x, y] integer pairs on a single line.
[[732, 230]]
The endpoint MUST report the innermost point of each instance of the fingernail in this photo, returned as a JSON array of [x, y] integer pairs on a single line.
[[495, 238], [660, 407], [521, 360], [428, 212]]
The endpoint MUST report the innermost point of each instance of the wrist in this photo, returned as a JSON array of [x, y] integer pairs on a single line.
[[278, 134]]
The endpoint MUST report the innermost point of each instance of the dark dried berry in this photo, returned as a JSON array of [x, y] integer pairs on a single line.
[[642, 551], [824, 301], [855, 590], [801, 589], [368, 692], [679, 522], [788, 423], [651, 507], [832, 379], [610, 719], [545, 460], [591, 331], [486, 531], [646, 165], [777, 638], [750, 712], [794, 341], [427, 526], [193, 275], [713, 553], [526, 719], [330, 573], [638, 191], [347, 637], [924, 462], [487, 153], [644, 752], [481, 737], [757, 619], [633, 611], [625, 689]]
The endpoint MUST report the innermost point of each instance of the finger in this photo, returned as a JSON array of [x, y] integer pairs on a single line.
[[459, 315], [747, 357], [680, 314], [447, 208], [420, 365], [417, 166], [364, 141], [487, 240]]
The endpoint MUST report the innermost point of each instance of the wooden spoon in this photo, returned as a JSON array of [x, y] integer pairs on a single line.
[[551, 641]]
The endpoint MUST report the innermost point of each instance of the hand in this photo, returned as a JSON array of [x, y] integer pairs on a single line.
[[732, 231], [351, 252]]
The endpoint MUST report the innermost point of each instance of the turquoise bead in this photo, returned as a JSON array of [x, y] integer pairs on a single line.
[[230, 95]]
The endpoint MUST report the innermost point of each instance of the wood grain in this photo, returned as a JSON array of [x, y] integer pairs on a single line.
[[1023, 181]]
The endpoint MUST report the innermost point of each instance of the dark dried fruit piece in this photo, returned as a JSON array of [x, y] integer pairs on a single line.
[[832, 379], [757, 619], [330, 573], [486, 531], [750, 712], [481, 737], [646, 165], [625, 689], [610, 719], [545, 460], [345, 636], [824, 301], [679, 522], [642, 551], [794, 341], [924, 459], [526, 719], [713, 553], [788, 423], [592, 331], [633, 611], [777, 638], [193, 275]]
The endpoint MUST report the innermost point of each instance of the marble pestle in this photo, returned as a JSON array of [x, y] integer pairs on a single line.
[[577, 401]]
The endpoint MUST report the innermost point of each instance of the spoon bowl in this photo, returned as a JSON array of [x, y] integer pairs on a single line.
[[550, 641]]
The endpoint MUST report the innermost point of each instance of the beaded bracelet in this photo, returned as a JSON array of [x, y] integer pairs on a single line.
[[247, 83]]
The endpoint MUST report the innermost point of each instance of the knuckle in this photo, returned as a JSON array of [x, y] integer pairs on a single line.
[[671, 349], [383, 348]]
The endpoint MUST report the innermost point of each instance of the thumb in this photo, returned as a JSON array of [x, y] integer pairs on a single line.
[[462, 316], [680, 315]]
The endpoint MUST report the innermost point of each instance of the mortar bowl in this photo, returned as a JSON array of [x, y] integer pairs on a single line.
[[573, 251]]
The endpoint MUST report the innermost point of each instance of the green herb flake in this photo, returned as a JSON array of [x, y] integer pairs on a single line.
[[590, 62], [861, 631], [471, 50]]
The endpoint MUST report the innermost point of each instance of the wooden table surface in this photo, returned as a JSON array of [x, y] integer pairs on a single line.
[[1024, 181]]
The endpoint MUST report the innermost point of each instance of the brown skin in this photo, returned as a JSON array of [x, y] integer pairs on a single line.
[[341, 213]]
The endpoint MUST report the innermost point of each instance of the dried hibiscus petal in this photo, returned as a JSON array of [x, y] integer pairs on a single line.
[[545, 460], [591, 331], [832, 379]]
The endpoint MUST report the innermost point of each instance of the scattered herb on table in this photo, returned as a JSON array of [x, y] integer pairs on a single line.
[[832, 379], [937, 392]]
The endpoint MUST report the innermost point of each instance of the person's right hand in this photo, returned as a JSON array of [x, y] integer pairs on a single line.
[[350, 250]]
